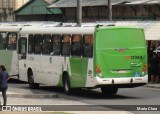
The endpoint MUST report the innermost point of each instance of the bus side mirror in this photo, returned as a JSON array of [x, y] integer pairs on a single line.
[[52, 53]]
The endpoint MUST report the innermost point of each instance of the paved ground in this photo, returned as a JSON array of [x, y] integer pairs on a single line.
[[18, 96], [56, 101], [29, 93]]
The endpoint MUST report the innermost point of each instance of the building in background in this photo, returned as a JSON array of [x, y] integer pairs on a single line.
[[36, 10], [97, 10], [93, 10], [7, 8], [19, 3]]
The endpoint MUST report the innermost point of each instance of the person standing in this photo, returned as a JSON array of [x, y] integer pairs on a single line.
[[158, 78], [3, 83], [154, 68]]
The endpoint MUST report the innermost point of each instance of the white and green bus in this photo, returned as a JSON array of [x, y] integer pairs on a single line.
[[106, 57], [8, 48], [9, 34]]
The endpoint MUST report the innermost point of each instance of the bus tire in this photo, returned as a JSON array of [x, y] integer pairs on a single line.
[[109, 90], [66, 84], [31, 83]]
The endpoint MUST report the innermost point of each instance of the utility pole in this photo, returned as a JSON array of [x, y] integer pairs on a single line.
[[79, 12], [110, 10]]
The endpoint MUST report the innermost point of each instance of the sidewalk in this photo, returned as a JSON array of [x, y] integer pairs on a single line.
[[25, 96], [154, 85], [31, 102], [29, 93], [29, 98]]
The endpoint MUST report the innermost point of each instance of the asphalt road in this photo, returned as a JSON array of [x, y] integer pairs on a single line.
[[127, 96]]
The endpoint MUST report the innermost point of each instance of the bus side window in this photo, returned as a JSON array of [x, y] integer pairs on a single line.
[[76, 45], [38, 44], [88, 46], [22, 47], [47, 45], [56, 44], [31, 44], [11, 41], [3, 41], [66, 40]]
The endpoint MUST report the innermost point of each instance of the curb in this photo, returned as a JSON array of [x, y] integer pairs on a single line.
[[152, 86], [38, 96]]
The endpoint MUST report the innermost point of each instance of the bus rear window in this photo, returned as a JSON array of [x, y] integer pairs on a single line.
[[120, 38]]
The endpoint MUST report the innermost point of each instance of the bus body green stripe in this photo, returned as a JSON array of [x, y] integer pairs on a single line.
[[6, 59], [78, 67]]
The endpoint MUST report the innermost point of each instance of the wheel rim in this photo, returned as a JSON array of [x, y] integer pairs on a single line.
[[66, 85], [31, 81]]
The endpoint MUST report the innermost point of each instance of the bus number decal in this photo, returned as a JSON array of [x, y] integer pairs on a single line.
[[133, 57], [136, 57]]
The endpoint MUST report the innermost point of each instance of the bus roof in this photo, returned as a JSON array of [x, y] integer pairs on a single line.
[[118, 27], [58, 30], [10, 29]]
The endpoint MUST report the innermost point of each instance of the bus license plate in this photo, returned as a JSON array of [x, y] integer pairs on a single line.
[[122, 71]]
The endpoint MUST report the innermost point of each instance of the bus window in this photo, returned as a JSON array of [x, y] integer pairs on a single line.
[[66, 44], [3, 41], [76, 45], [47, 44], [22, 44], [88, 46], [11, 41], [31, 44], [38, 44], [56, 44]]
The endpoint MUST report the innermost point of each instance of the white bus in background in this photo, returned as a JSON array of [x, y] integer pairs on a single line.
[[9, 35], [8, 49]]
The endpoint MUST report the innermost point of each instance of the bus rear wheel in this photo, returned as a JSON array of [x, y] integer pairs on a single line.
[[66, 85], [109, 90], [31, 83]]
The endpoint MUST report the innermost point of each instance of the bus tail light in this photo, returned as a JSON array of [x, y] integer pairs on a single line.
[[97, 67], [99, 71], [144, 69], [145, 65]]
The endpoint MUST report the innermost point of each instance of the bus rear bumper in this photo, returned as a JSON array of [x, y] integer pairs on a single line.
[[132, 81]]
